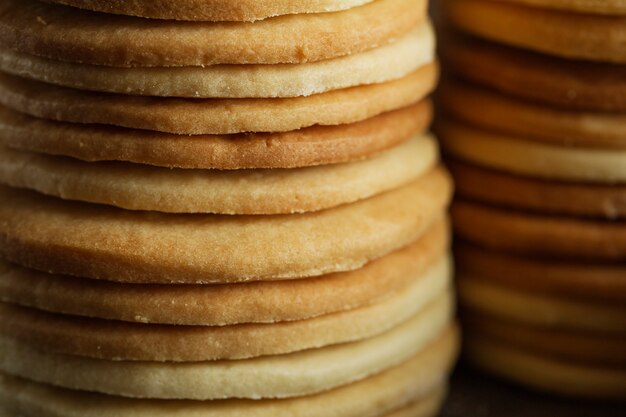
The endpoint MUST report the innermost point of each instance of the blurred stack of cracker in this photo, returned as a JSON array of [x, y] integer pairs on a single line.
[[535, 129]]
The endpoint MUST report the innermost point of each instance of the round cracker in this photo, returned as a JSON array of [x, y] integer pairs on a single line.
[[610, 7], [212, 10], [537, 235], [386, 63], [69, 34], [283, 376], [593, 282], [142, 247], [417, 381], [570, 35], [215, 116], [272, 191], [575, 346], [544, 373], [219, 305], [102, 339], [524, 156], [543, 310], [523, 118], [316, 145], [557, 197], [565, 83]]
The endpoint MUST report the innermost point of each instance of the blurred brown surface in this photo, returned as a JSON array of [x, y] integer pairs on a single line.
[[475, 395]]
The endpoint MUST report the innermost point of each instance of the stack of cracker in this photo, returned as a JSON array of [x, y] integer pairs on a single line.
[[218, 208], [536, 132]]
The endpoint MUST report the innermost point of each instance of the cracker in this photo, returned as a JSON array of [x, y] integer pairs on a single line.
[[545, 373], [524, 156], [316, 145], [416, 381], [576, 280], [284, 376], [215, 116], [527, 119], [540, 235], [69, 34], [212, 10], [610, 7], [102, 339], [542, 310], [574, 346], [143, 247], [550, 197], [388, 62], [219, 305], [272, 191], [569, 35], [577, 85]]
